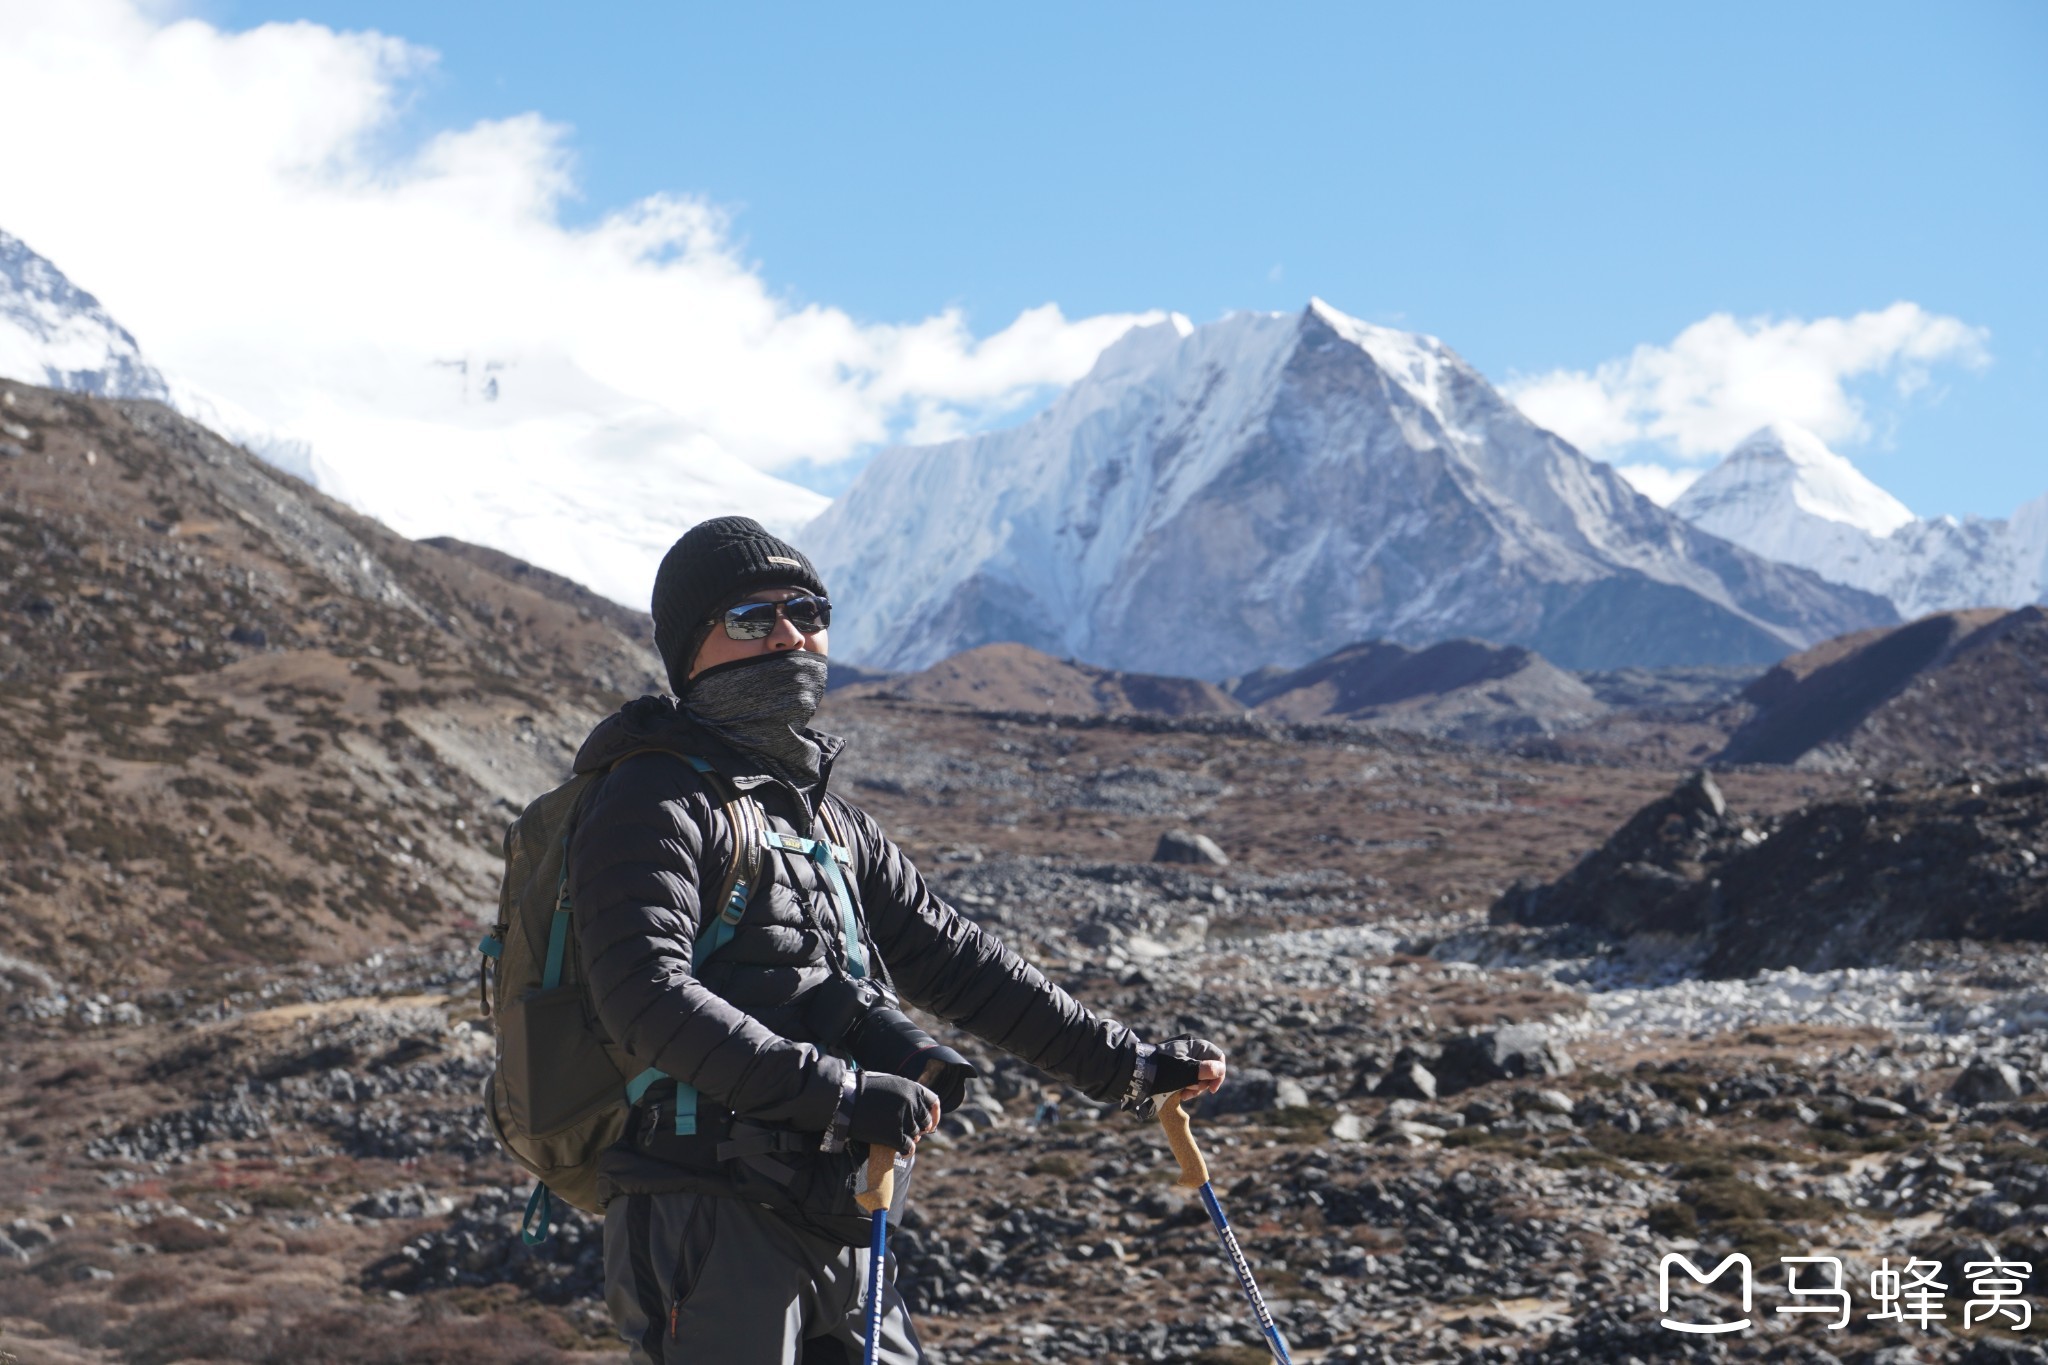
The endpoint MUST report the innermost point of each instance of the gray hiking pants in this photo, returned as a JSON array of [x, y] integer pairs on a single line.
[[701, 1278]]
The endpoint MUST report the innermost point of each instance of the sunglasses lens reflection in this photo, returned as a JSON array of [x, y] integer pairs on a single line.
[[756, 620]]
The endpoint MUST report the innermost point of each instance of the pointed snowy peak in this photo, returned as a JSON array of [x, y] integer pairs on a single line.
[[55, 334], [1782, 463], [1418, 363], [1288, 483]]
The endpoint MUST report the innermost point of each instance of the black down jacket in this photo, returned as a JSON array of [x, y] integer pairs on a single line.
[[650, 845]]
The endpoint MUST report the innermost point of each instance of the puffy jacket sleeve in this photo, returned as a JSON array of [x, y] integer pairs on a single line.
[[636, 888], [951, 966]]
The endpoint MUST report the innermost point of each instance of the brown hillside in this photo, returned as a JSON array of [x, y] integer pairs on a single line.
[[634, 625], [239, 721], [1011, 677], [1463, 688], [1954, 687]]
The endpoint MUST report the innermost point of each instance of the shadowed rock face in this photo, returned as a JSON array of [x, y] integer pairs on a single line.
[[1965, 686], [1836, 884], [1464, 689], [1014, 677]]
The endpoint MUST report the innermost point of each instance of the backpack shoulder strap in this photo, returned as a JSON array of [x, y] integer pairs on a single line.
[[834, 856], [746, 823], [721, 911]]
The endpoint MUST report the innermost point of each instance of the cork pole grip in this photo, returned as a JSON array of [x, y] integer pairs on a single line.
[[881, 1190], [1194, 1172]]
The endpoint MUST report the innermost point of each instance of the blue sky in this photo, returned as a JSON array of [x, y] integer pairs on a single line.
[[1545, 187]]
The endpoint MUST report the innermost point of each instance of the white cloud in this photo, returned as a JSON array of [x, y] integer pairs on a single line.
[[1724, 377], [1658, 483], [232, 198]]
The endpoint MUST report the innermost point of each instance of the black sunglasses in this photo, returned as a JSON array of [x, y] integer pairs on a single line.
[[756, 620]]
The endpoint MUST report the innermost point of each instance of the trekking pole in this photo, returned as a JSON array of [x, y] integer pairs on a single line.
[[876, 1198], [1194, 1175]]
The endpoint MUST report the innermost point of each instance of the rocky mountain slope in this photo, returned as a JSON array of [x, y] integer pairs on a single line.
[[1008, 677], [239, 721], [1844, 883], [1783, 494], [1268, 488], [1464, 689], [1954, 687]]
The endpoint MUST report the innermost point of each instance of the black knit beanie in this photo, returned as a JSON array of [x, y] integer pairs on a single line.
[[716, 563]]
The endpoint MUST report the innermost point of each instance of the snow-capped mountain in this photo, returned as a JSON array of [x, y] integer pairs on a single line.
[[1783, 494], [55, 334], [1267, 488], [546, 465]]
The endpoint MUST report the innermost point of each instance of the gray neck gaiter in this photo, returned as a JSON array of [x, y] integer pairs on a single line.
[[761, 705]]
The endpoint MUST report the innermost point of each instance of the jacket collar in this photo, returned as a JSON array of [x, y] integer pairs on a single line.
[[659, 722]]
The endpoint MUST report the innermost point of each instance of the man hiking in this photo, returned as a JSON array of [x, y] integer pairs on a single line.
[[731, 1233]]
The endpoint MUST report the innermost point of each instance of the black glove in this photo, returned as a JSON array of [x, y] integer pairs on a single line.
[[1176, 1064], [890, 1111]]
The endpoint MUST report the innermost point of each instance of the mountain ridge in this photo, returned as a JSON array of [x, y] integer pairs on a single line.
[[1292, 483], [1783, 494]]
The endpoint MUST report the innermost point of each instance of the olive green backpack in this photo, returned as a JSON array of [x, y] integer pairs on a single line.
[[560, 1091]]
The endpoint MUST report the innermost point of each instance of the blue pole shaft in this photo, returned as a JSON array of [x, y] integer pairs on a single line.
[[878, 1261], [1275, 1343]]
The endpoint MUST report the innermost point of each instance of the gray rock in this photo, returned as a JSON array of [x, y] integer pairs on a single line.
[[1252, 1090], [1514, 1052], [1478, 1113], [1289, 1093], [1986, 1081], [30, 1233], [407, 1201], [1877, 1107], [1406, 1133], [10, 1251], [1348, 1128], [1409, 1079], [1185, 846]]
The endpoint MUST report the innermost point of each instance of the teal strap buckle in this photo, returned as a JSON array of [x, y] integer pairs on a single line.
[[637, 1087], [491, 946], [686, 1109], [542, 1203]]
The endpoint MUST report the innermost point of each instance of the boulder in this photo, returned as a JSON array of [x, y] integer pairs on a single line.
[[1986, 1081], [1185, 846], [1409, 1078], [1517, 1051], [1250, 1090]]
